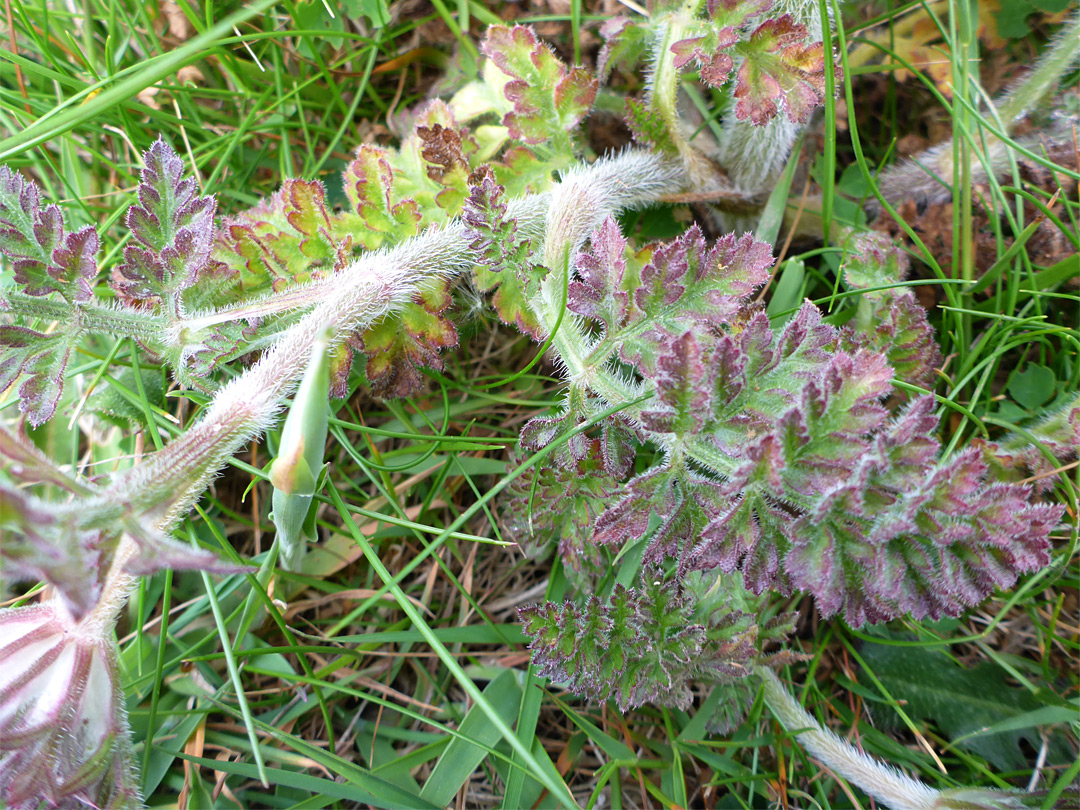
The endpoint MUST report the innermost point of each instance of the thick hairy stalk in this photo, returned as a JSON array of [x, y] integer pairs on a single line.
[[169, 482], [884, 783], [92, 317], [926, 177]]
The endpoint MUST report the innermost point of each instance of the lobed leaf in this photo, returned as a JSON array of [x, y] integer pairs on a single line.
[[640, 300], [548, 100], [625, 45], [801, 480], [46, 258], [506, 257], [889, 319], [42, 358], [173, 229], [397, 347], [780, 69], [562, 498], [648, 643]]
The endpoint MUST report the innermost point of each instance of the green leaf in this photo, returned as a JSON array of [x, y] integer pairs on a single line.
[[1033, 387], [368, 180], [462, 757], [398, 346], [788, 293], [975, 708], [548, 99]]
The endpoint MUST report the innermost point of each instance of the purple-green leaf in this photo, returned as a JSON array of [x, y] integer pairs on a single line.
[[173, 230], [42, 359], [45, 256]]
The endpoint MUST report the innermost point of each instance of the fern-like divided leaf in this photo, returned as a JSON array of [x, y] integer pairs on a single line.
[[503, 253], [647, 644], [173, 229], [47, 259], [781, 459], [563, 499]]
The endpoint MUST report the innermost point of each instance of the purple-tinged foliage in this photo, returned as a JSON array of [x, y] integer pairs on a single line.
[[780, 69], [562, 500], [1043, 448], [649, 643], [494, 235], [504, 256], [225, 342], [42, 358], [776, 68], [800, 477], [710, 51], [889, 319], [685, 387], [544, 93], [397, 346], [663, 289], [173, 228], [63, 730], [45, 256]]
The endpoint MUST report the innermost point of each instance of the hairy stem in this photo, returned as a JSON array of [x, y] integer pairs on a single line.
[[1045, 77], [91, 316], [291, 298], [578, 207], [885, 784], [165, 486], [753, 156]]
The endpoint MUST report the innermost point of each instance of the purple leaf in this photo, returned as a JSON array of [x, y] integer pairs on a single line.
[[42, 358], [46, 258], [173, 229]]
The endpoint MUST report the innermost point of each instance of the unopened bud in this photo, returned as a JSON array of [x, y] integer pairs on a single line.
[[295, 471]]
